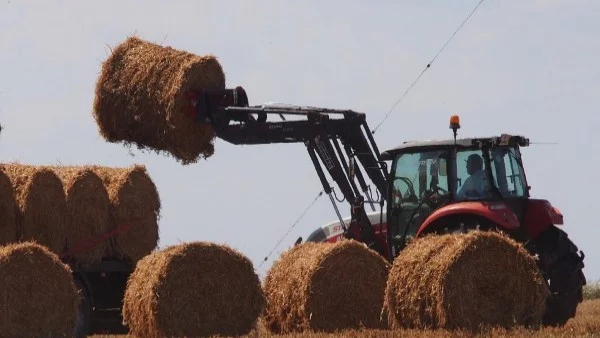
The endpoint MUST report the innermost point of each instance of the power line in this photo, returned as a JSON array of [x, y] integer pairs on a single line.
[[374, 130], [427, 67], [292, 226]]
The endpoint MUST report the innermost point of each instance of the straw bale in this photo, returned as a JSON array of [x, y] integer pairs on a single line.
[[39, 298], [41, 205], [87, 213], [196, 289], [325, 287], [141, 98], [133, 198], [8, 222], [464, 281]]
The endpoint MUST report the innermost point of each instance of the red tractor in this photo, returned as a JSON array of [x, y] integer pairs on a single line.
[[448, 186]]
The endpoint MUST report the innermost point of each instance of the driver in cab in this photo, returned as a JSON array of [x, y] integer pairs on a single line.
[[476, 184]]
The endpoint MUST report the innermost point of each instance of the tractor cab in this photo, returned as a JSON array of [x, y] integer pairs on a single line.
[[426, 176]]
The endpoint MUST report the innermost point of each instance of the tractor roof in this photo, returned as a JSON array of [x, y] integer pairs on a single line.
[[411, 146]]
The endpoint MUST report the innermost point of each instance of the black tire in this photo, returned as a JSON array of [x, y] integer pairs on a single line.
[[84, 312], [562, 265]]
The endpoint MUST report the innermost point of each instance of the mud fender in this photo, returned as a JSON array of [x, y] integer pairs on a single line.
[[497, 212]]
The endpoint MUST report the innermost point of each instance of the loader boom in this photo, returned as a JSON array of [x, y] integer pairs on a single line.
[[332, 138]]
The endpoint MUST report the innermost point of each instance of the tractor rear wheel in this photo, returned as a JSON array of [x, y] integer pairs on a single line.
[[562, 265]]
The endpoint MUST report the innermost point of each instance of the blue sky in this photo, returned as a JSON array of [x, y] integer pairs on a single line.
[[523, 67]]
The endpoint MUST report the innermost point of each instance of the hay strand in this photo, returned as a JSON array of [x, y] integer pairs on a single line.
[[41, 205], [464, 281], [8, 221], [195, 289], [133, 198], [325, 287], [87, 213], [141, 98], [39, 298]]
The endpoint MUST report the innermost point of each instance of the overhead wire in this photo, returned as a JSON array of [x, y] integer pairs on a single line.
[[426, 68], [292, 226], [377, 127]]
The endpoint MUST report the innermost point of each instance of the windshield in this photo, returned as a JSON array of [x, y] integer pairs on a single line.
[[473, 182], [420, 185], [416, 174]]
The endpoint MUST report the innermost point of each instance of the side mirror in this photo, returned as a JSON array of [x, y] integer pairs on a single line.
[[352, 168]]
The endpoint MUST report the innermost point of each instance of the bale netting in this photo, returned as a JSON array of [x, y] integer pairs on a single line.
[[325, 287], [8, 222], [141, 98], [41, 206], [196, 289], [134, 210], [467, 281], [39, 298], [87, 214]]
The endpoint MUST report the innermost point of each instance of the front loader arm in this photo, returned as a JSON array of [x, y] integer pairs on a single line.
[[329, 136]]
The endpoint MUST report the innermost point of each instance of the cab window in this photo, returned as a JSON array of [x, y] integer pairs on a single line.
[[416, 173], [508, 172]]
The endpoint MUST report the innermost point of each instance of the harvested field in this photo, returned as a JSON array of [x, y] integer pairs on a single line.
[[141, 98], [325, 287], [193, 289], [464, 282], [134, 209], [37, 292], [8, 221], [87, 213], [41, 205], [591, 290], [585, 324]]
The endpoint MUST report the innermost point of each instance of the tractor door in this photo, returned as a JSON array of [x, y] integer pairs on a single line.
[[419, 186]]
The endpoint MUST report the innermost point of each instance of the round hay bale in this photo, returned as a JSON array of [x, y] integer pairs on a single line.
[[41, 205], [8, 221], [134, 207], [464, 281], [325, 287], [87, 214], [39, 298], [196, 289], [141, 98]]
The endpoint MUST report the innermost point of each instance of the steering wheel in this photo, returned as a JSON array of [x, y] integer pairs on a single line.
[[437, 188], [433, 197], [411, 189]]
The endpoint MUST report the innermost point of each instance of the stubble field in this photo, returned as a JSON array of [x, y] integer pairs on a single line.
[[585, 324]]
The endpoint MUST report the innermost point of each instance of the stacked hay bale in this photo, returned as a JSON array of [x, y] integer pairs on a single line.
[[469, 281], [325, 287], [39, 298], [87, 214], [8, 222], [134, 210], [41, 208], [141, 98], [193, 290]]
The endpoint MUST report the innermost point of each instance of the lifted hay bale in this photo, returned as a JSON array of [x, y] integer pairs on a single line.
[[8, 221], [87, 213], [134, 207], [41, 205], [141, 98], [39, 298], [465, 281], [325, 287], [195, 289]]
